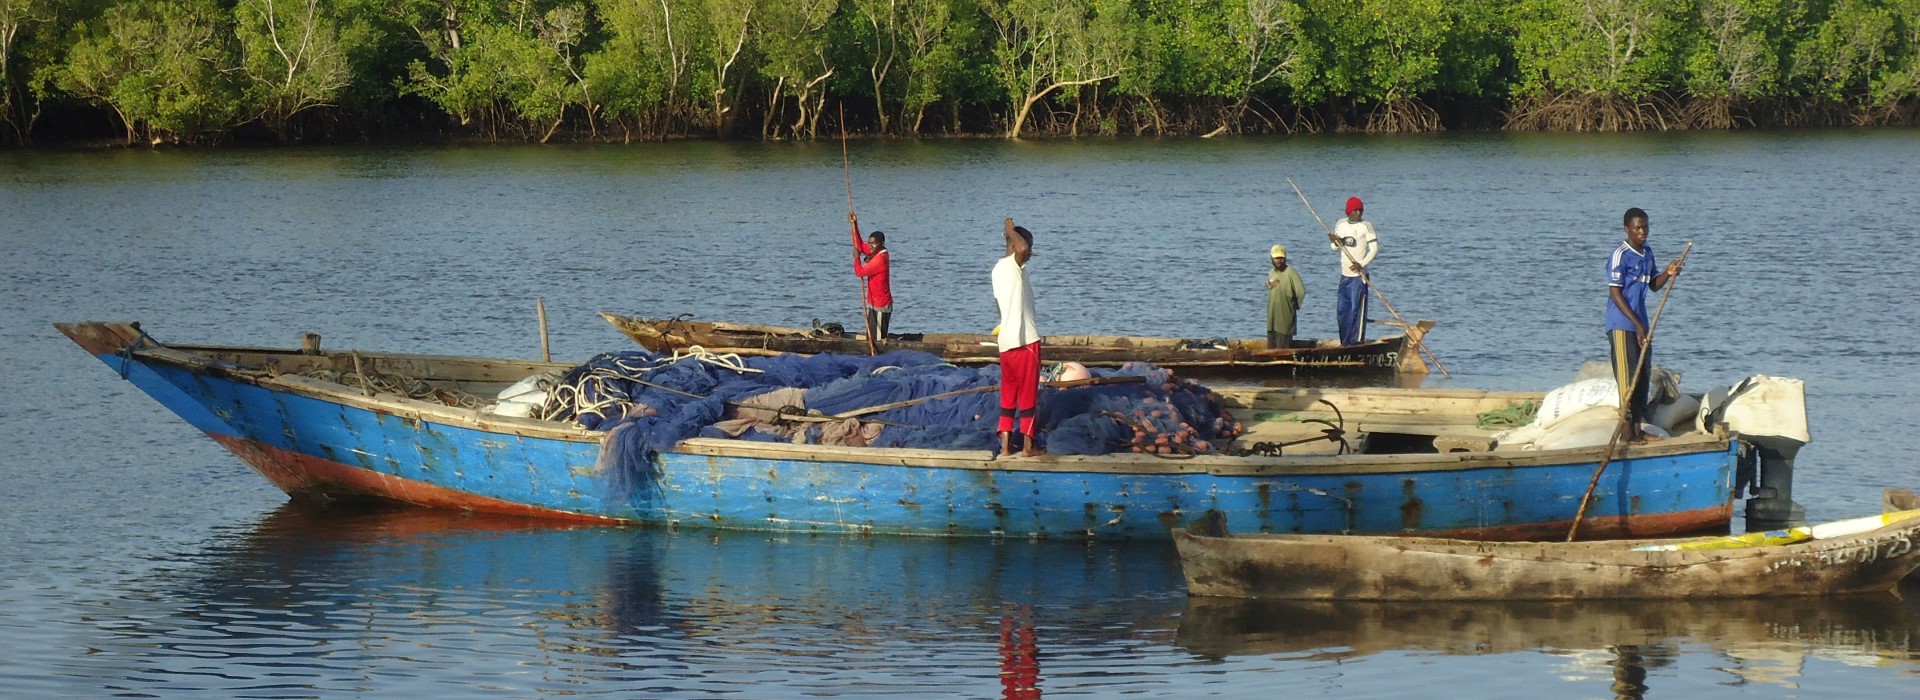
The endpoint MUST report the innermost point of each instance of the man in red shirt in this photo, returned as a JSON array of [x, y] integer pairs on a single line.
[[873, 269]]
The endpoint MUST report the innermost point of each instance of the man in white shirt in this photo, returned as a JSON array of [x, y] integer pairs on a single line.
[[1353, 238], [1018, 341]]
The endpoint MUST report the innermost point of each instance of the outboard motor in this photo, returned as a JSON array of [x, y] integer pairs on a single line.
[[1770, 415], [1772, 506]]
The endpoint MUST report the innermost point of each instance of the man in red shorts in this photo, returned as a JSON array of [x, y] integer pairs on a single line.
[[1019, 343]]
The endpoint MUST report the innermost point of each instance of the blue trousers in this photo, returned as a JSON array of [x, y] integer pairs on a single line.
[[1353, 311]]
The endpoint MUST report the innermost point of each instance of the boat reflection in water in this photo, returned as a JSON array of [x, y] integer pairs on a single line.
[[1759, 640], [351, 601]]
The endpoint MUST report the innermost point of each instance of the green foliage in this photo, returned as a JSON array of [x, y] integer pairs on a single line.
[[1840, 58], [1620, 48], [1047, 46], [1737, 51], [645, 73], [29, 48], [195, 70], [1899, 78], [293, 56], [795, 46], [163, 67]]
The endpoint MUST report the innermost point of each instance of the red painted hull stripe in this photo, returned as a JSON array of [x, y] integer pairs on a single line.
[[298, 474]]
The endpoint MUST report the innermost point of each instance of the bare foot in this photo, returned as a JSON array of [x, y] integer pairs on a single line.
[[1033, 452]]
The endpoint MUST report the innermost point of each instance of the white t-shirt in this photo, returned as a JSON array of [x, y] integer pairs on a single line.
[[1358, 239], [1015, 296]]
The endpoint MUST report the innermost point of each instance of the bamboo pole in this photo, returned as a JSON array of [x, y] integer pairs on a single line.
[[1626, 394], [1418, 343], [846, 165]]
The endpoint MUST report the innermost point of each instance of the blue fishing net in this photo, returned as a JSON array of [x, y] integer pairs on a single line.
[[646, 403]]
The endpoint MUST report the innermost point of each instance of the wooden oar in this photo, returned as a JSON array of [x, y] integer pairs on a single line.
[[846, 166], [1626, 399], [1348, 255]]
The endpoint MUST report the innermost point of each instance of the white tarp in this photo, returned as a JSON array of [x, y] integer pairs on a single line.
[[1760, 405]]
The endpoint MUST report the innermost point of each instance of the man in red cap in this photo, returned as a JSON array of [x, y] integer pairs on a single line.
[[1354, 240]]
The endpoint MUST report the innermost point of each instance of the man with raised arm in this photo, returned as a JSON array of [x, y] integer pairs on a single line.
[[1018, 341], [873, 264]]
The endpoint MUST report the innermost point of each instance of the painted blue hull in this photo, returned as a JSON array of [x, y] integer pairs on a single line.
[[343, 447]]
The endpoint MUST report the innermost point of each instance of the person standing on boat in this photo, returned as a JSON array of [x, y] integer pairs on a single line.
[[1018, 341], [1630, 273], [872, 263], [1353, 238], [1284, 292]]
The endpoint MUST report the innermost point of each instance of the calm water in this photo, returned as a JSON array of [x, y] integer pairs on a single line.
[[143, 560]]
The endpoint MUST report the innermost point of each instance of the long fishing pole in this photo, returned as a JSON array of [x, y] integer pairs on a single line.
[[846, 166], [1626, 395], [1348, 255]]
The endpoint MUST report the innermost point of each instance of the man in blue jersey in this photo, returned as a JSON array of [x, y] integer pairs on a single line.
[[1630, 273]]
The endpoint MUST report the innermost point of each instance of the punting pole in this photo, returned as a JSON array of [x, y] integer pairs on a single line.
[[1417, 342], [846, 166], [1620, 428]]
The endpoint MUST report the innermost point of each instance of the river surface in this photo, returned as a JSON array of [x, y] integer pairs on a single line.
[[142, 560]]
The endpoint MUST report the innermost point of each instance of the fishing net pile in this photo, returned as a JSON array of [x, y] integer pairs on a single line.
[[647, 402]]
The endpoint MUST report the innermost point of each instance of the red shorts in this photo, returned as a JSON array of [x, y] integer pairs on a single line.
[[1019, 386]]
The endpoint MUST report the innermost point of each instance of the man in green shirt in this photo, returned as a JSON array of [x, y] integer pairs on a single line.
[[1284, 292]]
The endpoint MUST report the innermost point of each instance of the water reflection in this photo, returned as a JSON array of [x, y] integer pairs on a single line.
[[1616, 642], [321, 598]]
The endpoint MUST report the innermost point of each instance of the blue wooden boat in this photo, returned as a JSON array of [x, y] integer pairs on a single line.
[[322, 439]]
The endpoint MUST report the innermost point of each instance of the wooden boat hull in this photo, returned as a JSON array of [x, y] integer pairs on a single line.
[[1241, 357], [317, 439], [1322, 567]]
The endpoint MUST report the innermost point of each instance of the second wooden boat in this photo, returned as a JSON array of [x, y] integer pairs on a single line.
[[1223, 357], [1856, 556]]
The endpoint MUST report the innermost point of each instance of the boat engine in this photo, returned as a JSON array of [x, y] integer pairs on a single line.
[[1769, 414]]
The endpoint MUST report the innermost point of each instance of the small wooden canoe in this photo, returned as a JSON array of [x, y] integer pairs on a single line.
[[1247, 356], [1864, 555]]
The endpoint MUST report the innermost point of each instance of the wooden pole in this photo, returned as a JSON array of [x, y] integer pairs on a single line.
[[546, 352], [1626, 394], [360, 371], [846, 166], [1348, 256]]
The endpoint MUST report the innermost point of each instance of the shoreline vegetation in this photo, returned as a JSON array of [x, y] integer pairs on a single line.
[[224, 72]]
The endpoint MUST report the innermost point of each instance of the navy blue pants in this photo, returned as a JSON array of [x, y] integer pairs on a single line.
[[1353, 311]]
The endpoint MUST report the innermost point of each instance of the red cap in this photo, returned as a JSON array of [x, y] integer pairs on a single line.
[[1353, 203]]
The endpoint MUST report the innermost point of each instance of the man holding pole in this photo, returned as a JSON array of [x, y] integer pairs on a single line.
[[1018, 341], [1353, 238], [1630, 273], [872, 263]]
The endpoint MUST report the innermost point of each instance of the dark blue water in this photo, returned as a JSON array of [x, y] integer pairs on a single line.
[[143, 560]]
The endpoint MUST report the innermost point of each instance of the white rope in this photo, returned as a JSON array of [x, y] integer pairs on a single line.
[[728, 361]]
